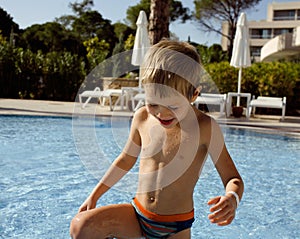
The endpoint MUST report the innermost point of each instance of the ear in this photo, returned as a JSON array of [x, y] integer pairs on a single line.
[[196, 93]]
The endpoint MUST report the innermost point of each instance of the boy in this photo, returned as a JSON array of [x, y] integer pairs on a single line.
[[173, 139]]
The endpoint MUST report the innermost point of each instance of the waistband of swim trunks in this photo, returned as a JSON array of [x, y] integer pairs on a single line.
[[163, 218]]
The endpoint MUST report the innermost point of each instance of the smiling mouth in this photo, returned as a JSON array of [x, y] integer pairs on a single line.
[[166, 122]]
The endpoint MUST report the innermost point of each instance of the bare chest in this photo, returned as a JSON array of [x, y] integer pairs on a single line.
[[164, 145]]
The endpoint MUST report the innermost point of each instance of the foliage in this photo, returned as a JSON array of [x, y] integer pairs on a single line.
[[275, 79], [62, 76], [91, 24], [78, 8], [2, 39], [48, 37], [81, 7], [7, 71], [129, 43], [177, 12], [211, 54], [53, 76], [96, 51], [212, 13], [7, 26], [86, 23], [51, 60], [121, 30]]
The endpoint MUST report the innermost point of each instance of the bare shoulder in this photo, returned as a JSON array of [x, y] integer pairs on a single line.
[[141, 115], [204, 120], [208, 126], [140, 118]]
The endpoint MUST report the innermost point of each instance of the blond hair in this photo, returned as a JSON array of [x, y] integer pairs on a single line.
[[174, 64]]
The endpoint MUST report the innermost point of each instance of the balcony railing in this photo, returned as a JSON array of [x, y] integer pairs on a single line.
[[261, 36], [284, 18]]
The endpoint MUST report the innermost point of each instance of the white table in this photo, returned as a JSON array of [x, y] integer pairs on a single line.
[[235, 94]]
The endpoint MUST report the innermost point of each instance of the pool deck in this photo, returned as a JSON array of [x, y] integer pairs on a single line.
[[291, 124]]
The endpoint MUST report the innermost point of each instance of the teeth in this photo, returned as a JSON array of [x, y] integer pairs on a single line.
[[166, 121]]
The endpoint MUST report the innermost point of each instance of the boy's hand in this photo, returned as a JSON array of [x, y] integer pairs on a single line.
[[223, 211], [87, 205]]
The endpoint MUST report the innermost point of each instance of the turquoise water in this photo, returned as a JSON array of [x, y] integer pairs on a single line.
[[43, 180]]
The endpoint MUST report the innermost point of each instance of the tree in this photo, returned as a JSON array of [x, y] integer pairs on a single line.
[[87, 24], [211, 54], [91, 24], [122, 30], [96, 51], [78, 9], [159, 20], [177, 12], [50, 36], [8, 27], [160, 13], [212, 13]]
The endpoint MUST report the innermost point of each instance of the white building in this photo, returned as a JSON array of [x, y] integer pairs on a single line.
[[277, 37]]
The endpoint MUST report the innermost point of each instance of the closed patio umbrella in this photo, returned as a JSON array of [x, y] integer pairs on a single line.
[[241, 52], [141, 42]]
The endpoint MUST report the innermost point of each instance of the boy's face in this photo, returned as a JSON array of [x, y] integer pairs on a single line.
[[168, 110]]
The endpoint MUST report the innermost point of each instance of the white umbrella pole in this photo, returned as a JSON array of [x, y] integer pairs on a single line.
[[239, 86], [140, 80]]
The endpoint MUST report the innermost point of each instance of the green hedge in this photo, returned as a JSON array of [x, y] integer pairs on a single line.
[[275, 79], [58, 76], [28, 75]]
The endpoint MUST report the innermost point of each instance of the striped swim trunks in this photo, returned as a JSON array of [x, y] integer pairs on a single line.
[[161, 226]]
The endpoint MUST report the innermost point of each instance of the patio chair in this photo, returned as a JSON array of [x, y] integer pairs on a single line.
[[211, 99], [101, 95], [140, 98], [268, 102]]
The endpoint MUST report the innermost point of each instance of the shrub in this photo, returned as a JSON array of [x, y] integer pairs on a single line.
[[276, 79]]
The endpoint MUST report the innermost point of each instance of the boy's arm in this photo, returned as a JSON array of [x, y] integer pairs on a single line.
[[224, 206], [122, 164], [116, 171]]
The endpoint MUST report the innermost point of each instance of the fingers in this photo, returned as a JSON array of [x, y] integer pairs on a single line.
[[86, 207], [82, 208], [214, 200], [223, 211]]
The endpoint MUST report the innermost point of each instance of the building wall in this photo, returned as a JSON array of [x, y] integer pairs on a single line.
[[282, 18]]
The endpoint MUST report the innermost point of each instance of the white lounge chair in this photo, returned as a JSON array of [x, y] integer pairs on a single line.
[[211, 99], [101, 95], [140, 98], [268, 102], [128, 94], [205, 98]]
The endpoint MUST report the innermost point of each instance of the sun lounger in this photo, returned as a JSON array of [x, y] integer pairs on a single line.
[[211, 99], [205, 98], [140, 98], [268, 102], [101, 95]]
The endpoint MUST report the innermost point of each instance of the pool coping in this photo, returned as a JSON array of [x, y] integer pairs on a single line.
[[291, 124]]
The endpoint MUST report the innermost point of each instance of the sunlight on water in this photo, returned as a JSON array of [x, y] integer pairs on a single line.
[[43, 181]]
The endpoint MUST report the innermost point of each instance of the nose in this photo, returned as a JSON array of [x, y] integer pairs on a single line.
[[162, 111]]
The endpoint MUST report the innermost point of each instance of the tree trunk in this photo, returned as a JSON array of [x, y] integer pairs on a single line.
[[159, 20]]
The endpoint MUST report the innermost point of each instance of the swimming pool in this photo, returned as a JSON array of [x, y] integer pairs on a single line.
[[43, 181]]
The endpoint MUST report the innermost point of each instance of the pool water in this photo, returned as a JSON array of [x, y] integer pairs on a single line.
[[45, 176]]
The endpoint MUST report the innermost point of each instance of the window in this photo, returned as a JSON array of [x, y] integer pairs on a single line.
[[255, 51], [281, 31], [261, 33], [284, 15]]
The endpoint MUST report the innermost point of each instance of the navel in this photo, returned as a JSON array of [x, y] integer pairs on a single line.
[[152, 199]]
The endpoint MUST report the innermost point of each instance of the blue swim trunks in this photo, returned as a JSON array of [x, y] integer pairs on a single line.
[[161, 226]]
